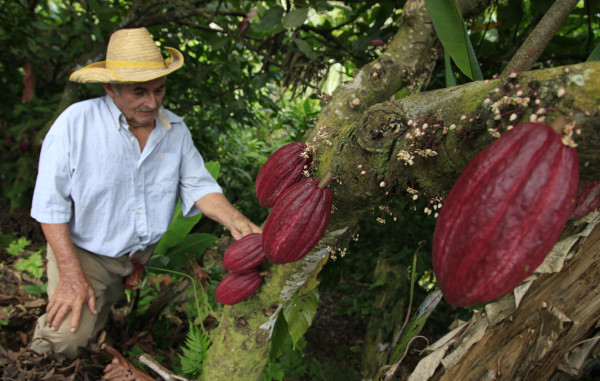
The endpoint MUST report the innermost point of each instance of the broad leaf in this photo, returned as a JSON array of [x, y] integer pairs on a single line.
[[299, 313], [305, 48], [295, 18], [278, 337], [195, 244], [271, 20], [452, 32]]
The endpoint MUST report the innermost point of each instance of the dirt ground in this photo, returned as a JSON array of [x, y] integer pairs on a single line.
[[20, 310]]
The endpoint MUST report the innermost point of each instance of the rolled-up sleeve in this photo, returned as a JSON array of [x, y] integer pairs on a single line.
[[195, 180], [52, 201]]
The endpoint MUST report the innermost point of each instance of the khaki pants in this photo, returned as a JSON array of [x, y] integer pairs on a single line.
[[106, 276]]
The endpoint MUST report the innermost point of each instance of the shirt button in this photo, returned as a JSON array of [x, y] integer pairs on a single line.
[[140, 210], [132, 138]]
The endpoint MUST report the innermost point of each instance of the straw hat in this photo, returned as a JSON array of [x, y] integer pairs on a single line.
[[131, 56]]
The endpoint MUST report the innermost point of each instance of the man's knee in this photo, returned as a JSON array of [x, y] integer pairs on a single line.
[[63, 340]]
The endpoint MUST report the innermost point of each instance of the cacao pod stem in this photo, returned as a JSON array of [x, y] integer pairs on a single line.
[[326, 179]]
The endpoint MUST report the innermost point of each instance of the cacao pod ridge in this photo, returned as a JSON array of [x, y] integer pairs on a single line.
[[282, 169], [244, 254], [297, 221], [237, 287]]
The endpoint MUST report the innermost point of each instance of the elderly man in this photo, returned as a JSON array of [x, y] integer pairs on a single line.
[[111, 172]]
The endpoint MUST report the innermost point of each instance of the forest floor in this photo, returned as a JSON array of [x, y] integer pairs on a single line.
[[19, 311]]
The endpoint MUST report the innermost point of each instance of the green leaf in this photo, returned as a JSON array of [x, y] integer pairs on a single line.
[[299, 313], [214, 168], [595, 54], [415, 325], [196, 244], [35, 289], [18, 247], [278, 337], [295, 18], [271, 20], [305, 48], [452, 32], [450, 79], [34, 265]]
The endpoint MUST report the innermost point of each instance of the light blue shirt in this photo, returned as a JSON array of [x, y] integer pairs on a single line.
[[117, 199]]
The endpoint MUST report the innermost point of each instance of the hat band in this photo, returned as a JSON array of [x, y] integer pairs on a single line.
[[136, 65]]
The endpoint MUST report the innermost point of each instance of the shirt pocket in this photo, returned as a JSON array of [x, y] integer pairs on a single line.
[[163, 175]]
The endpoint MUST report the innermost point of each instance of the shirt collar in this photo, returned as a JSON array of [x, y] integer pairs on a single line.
[[163, 118]]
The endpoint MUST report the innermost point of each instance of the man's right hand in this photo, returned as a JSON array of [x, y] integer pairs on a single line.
[[72, 292]]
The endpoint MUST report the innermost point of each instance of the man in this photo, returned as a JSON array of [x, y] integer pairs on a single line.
[[111, 172]]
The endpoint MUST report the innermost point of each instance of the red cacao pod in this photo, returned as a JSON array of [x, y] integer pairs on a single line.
[[504, 214], [282, 169], [588, 199], [297, 221], [236, 287], [244, 254]]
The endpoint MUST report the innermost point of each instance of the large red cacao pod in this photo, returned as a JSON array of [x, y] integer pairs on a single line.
[[236, 287], [504, 214], [588, 199], [297, 221], [244, 254], [282, 169]]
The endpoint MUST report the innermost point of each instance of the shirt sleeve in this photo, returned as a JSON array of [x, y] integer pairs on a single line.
[[52, 201], [195, 180]]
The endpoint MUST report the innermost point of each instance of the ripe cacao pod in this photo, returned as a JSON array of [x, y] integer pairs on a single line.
[[504, 214], [244, 254], [236, 287], [282, 169], [588, 199], [297, 221]]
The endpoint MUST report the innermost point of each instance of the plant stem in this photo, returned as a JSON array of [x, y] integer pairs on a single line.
[[326, 179]]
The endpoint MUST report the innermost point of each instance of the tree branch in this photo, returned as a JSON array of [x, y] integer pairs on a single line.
[[538, 39]]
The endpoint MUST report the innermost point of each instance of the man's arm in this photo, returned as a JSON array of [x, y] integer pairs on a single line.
[[73, 289], [218, 208]]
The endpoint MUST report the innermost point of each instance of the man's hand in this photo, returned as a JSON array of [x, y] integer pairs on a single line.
[[241, 226], [73, 288], [72, 292], [217, 207]]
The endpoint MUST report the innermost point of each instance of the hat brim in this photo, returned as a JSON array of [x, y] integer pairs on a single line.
[[98, 73]]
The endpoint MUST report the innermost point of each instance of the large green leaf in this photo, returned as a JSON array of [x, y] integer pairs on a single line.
[[194, 244], [299, 313], [452, 32]]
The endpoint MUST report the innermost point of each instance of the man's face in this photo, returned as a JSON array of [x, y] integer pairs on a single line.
[[139, 102]]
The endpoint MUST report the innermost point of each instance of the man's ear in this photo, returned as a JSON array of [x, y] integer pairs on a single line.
[[110, 90]]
